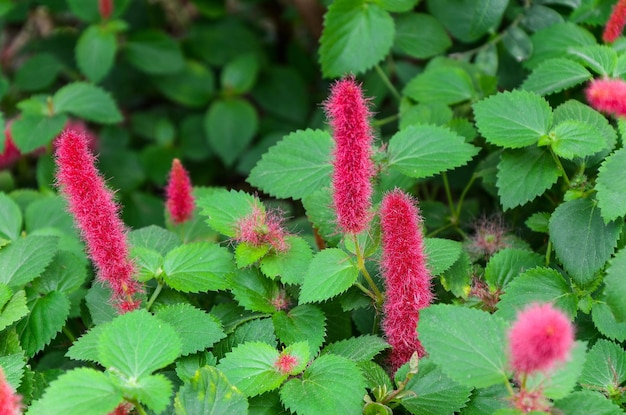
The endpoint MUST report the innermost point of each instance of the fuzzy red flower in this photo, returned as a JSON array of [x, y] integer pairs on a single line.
[[540, 337], [262, 228], [615, 25], [180, 201], [10, 402], [96, 215], [607, 95], [348, 113], [105, 7], [406, 277], [285, 363]]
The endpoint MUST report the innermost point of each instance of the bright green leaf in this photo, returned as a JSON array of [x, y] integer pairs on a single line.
[[33, 131], [47, 317], [254, 291], [517, 43], [153, 391], [599, 58], [611, 187], [14, 309], [154, 238], [25, 259], [149, 263], [588, 403], [247, 254], [302, 323], [420, 35], [88, 102], [441, 254], [292, 265], [10, 218], [562, 380], [555, 75], [397, 5], [357, 349], [605, 322], [605, 367], [556, 40], [330, 273], [226, 208], [615, 285], [445, 84], [95, 52], [86, 347], [571, 139], [507, 264]]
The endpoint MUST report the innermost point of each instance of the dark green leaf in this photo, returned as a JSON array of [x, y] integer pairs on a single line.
[[33, 131], [25, 259], [555, 41], [301, 323], [397, 5], [468, 20], [95, 52], [66, 273], [420, 35], [239, 75], [357, 349], [606, 323], [10, 218], [193, 85], [47, 317], [615, 285], [555, 75], [441, 254], [38, 72], [517, 43], [88, 102], [330, 273], [254, 291], [610, 186], [507, 264], [444, 84], [154, 52]]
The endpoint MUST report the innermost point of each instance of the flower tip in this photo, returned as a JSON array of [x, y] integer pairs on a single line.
[[180, 201]]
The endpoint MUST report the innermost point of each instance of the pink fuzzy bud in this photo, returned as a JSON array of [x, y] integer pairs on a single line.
[[105, 7], [180, 201], [607, 95], [348, 113], [616, 22], [406, 277], [262, 228], [11, 153], [540, 337], [96, 216], [10, 402], [285, 363]]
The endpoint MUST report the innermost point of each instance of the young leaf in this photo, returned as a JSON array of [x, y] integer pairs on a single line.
[[209, 392], [88, 102], [199, 266], [32, 131], [247, 254], [420, 35], [137, 343], [146, 47], [356, 36], [582, 241], [79, 392], [615, 285], [95, 52], [302, 323], [296, 166], [25, 259], [445, 85], [555, 75], [517, 43], [441, 254], [330, 385], [571, 139], [254, 291], [611, 189], [605, 367], [225, 208], [149, 263], [10, 218], [330, 273], [196, 329], [291, 265], [424, 150], [513, 119], [357, 349], [588, 403], [507, 264], [467, 344]]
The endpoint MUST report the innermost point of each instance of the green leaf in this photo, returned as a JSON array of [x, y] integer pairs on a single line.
[[606, 323], [154, 238], [38, 72], [99, 304], [581, 239], [296, 166], [25, 259], [89, 12], [14, 309], [330, 385], [599, 58], [397, 5], [537, 285], [240, 74], [356, 36], [137, 343], [149, 263], [192, 86], [513, 119], [507, 264], [467, 344], [247, 254], [226, 208], [562, 380], [605, 367], [86, 347], [260, 330], [468, 20], [571, 139], [251, 368], [32, 131], [330, 273], [615, 285], [538, 222], [291, 265], [444, 84], [254, 291], [88, 102], [10, 218], [357, 349], [441, 254], [457, 278], [230, 124], [425, 150], [302, 323], [209, 392], [433, 392], [47, 317], [420, 35], [611, 189], [555, 75], [588, 403], [196, 329], [524, 174], [556, 40], [66, 274], [517, 43], [321, 216], [95, 52], [13, 366], [154, 53], [199, 266], [282, 92], [79, 392], [153, 391]]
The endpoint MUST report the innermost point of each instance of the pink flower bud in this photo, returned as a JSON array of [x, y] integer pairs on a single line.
[[96, 216], [616, 22], [607, 95], [11, 153], [285, 363], [10, 402], [105, 7], [180, 201], [262, 228], [406, 277], [348, 113]]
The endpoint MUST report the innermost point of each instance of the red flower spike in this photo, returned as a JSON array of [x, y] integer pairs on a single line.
[[260, 228], [286, 363], [122, 409], [180, 201], [11, 153], [615, 24], [348, 113], [105, 7], [540, 337], [607, 95], [96, 216], [10, 402], [406, 277]]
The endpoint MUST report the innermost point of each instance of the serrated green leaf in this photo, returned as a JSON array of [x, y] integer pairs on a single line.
[[247, 254], [88, 102], [562, 379], [458, 277], [12, 366], [137, 343], [154, 238], [374, 375], [517, 43], [302, 323], [47, 317], [507, 264], [254, 291], [199, 266], [209, 392], [330, 273], [356, 36], [225, 208], [571, 139], [13, 310], [425, 150], [555, 41], [318, 211], [32, 131], [538, 222], [196, 329], [49, 212], [468, 20], [357, 349], [193, 85], [95, 52], [581, 239], [537, 285], [611, 187], [605, 322], [230, 125], [555, 75], [513, 119], [445, 84], [86, 347], [99, 304], [599, 58], [292, 265], [420, 35], [10, 218], [615, 285], [66, 273], [296, 166], [588, 403], [331, 384], [154, 52], [524, 174], [605, 367], [149, 263], [441, 254], [25, 259], [154, 391], [251, 368], [259, 330], [467, 344], [79, 392]]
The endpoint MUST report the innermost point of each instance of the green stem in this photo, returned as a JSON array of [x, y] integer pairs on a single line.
[[69, 334], [557, 160], [388, 83], [361, 265], [463, 194], [446, 186], [439, 230], [386, 120], [548, 252], [137, 406], [155, 294], [365, 290]]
